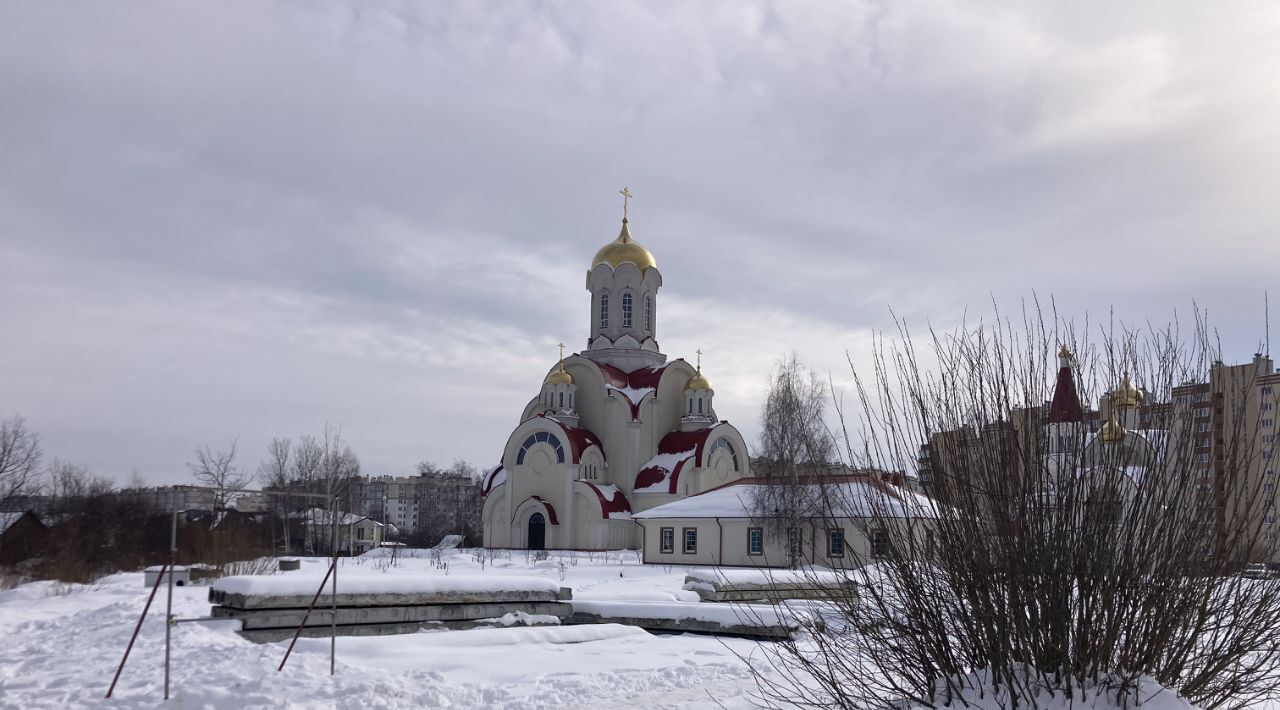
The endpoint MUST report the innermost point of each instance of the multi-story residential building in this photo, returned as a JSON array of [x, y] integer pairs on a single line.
[[429, 505], [1219, 435]]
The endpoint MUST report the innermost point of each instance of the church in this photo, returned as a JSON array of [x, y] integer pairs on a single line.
[[614, 430]]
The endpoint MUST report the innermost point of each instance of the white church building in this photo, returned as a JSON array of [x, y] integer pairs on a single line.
[[614, 430]]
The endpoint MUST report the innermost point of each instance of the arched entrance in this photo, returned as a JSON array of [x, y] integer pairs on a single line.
[[537, 532]]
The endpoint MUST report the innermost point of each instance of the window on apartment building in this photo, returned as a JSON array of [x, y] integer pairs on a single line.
[[1268, 423], [1266, 406], [1202, 456], [1269, 536], [690, 541], [879, 544], [1268, 488], [755, 541], [1268, 438], [668, 536], [835, 543], [1266, 390], [1269, 518]]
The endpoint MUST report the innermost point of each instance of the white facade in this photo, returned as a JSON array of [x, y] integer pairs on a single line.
[[615, 429]]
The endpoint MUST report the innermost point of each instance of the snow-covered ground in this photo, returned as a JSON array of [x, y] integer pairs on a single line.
[[61, 646]]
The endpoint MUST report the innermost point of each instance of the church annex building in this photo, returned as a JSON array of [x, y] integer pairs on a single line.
[[614, 430]]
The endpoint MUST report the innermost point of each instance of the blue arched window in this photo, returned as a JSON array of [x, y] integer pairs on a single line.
[[604, 310], [538, 438], [626, 310]]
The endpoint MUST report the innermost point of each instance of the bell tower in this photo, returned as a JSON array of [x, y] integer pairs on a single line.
[[624, 282]]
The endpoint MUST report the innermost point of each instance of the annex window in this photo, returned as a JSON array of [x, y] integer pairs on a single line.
[[794, 543], [755, 541], [648, 313], [835, 543], [879, 544], [690, 541], [604, 310], [668, 536], [626, 310]]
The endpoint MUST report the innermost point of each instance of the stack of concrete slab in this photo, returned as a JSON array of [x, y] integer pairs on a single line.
[[271, 608], [760, 621], [768, 585]]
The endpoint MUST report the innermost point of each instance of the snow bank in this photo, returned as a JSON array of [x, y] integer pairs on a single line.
[[376, 583], [764, 576]]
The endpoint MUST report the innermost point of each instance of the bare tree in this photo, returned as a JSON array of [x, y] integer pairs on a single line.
[[20, 455], [1070, 552], [796, 448], [274, 472], [218, 470]]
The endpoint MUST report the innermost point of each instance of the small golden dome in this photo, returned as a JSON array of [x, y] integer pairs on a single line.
[[1064, 352], [1111, 431], [622, 250], [1126, 395], [698, 382], [558, 377]]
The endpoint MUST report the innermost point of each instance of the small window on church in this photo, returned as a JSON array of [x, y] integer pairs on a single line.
[[562, 400], [604, 310], [699, 405], [648, 313], [626, 310]]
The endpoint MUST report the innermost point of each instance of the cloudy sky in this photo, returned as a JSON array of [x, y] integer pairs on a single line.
[[250, 219]]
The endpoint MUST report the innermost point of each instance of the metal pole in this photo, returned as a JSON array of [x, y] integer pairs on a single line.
[[154, 588], [303, 623], [168, 610], [333, 597]]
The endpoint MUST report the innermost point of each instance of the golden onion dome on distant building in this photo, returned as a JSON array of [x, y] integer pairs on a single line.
[[624, 250], [1126, 395], [1111, 431]]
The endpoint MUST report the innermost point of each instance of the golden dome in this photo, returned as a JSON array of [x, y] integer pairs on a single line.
[[1126, 395], [698, 382], [622, 250], [558, 377], [1063, 352], [1111, 431]]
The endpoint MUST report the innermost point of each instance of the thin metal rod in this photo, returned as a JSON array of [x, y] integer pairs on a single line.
[[168, 610], [333, 597], [305, 616], [154, 588]]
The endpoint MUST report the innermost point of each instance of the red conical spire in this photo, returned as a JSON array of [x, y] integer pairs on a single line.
[[1065, 406]]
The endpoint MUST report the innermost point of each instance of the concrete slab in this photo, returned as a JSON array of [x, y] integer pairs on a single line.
[[295, 601], [255, 619]]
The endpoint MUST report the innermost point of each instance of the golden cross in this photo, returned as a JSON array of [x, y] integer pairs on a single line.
[[626, 195], [561, 352], [699, 360]]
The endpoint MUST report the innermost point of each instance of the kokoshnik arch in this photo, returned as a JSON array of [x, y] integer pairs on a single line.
[[615, 429]]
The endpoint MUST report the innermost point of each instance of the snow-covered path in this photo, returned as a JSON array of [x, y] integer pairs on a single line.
[[61, 646]]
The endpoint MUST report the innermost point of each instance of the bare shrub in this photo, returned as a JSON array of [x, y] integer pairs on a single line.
[[1064, 552]]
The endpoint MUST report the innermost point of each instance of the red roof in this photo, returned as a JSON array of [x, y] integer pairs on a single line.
[[1065, 406], [619, 504], [677, 442], [645, 378]]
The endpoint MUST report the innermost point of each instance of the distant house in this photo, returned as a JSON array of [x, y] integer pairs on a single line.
[[357, 534], [723, 526], [22, 537]]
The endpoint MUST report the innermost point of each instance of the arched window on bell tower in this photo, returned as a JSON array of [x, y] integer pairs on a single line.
[[626, 310], [648, 314], [604, 310]]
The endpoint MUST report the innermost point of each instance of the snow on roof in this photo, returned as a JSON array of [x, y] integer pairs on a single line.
[[494, 478], [862, 498], [655, 475], [613, 502]]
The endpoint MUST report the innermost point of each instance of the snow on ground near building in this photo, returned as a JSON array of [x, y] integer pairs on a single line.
[[372, 582], [62, 645]]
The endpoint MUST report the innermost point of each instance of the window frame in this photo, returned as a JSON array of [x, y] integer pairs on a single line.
[[755, 541], [604, 310], [628, 303], [879, 543], [832, 534], [667, 541], [685, 547]]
